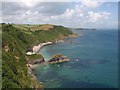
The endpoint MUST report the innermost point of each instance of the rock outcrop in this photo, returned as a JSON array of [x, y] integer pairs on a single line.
[[58, 58], [35, 59]]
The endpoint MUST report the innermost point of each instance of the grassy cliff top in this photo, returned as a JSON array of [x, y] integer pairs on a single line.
[[34, 57], [42, 27], [34, 27]]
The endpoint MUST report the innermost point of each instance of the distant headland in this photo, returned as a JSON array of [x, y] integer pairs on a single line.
[[84, 28]]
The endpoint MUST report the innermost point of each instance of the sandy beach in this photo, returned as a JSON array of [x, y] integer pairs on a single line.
[[37, 48]]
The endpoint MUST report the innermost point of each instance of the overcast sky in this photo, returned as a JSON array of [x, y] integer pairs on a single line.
[[87, 14]]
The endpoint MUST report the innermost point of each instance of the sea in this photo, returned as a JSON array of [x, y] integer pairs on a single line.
[[93, 61]]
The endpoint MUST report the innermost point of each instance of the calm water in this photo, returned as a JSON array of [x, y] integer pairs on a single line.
[[93, 62]]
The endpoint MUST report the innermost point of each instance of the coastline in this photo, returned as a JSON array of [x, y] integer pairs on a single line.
[[76, 62], [27, 41], [36, 49]]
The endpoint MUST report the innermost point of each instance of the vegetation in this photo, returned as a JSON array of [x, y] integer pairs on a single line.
[[14, 70], [42, 27], [57, 55], [34, 57], [16, 39]]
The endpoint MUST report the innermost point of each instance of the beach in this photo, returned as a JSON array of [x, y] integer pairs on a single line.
[[37, 48]]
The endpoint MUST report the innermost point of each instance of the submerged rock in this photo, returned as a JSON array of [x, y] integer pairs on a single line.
[[58, 58]]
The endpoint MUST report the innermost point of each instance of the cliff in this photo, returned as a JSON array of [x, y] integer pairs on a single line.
[[35, 59], [16, 41]]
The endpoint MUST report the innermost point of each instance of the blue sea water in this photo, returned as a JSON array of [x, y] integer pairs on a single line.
[[93, 61]]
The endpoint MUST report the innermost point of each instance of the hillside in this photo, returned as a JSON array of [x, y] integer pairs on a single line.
[[16, 39], [42, 27]]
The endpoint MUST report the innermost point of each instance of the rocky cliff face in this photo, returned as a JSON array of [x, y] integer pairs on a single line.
[[35, 59]]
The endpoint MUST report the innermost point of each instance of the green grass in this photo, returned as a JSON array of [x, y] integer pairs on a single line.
[[34, 56]]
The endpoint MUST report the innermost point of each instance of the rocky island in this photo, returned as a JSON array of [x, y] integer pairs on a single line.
[[58, 58]]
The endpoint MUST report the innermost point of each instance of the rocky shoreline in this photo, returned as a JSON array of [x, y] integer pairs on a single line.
[[58, 58], [31, 64]]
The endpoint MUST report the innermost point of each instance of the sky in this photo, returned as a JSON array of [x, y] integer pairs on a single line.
[[84, 14]]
